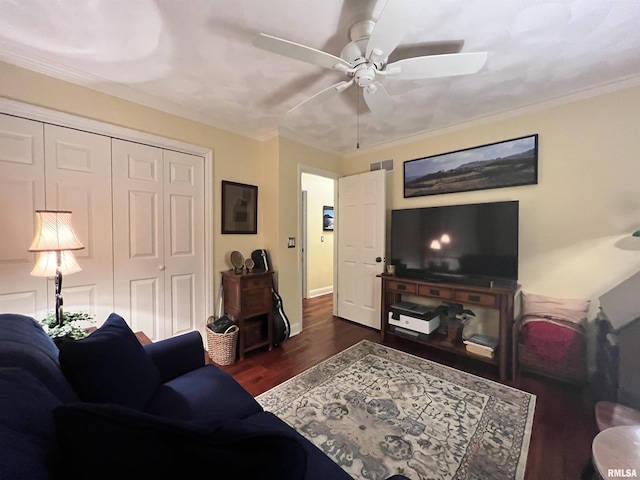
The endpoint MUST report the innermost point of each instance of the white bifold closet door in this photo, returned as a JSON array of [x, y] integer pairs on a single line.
[[78, 169], [49, 167], [158, 221], [21, 193]]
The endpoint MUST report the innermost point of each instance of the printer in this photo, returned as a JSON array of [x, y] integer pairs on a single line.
[[414, 317]]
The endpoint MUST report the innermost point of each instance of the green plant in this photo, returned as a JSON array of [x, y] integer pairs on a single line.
[[454, 313], [74, 325]]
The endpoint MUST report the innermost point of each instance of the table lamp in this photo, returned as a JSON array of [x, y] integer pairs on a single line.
[[54, 240]]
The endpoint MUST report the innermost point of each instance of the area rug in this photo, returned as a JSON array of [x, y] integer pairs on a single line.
[[377, 411]]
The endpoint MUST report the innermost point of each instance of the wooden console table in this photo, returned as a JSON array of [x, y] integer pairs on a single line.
[[247, 298], [499, 298]]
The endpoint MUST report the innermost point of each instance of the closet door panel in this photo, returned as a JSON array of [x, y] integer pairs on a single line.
[[78, 173], [21, 193], [138, 228], [184, 252]]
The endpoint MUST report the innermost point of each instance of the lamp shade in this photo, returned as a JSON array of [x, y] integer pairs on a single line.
[[54, 232], [46, 264]]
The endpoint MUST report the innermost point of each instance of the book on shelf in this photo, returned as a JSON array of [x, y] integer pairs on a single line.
[[480, 350], [480, 340]]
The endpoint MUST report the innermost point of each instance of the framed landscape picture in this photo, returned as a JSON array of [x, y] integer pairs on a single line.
[[508, 163], [239, 208]]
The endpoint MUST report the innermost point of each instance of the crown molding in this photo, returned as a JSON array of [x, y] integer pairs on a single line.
[[36, 62], [290, 135], [624, 84]]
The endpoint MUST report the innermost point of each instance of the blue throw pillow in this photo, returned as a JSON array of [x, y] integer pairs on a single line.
[[103, 441], [110, 366]]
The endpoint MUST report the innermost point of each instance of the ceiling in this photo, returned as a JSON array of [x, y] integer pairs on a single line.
[[195, 58]]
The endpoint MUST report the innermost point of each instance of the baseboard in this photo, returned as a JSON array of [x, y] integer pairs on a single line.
[[316, 292]]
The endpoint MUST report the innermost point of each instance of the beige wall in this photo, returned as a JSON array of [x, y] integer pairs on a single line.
[[291, 156], [272, 165], [575, 223], [235, 157], [319, 242]]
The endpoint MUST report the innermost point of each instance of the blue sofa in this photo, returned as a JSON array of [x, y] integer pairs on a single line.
[[107, 407]]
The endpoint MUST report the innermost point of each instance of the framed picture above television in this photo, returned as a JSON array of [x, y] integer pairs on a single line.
[[327, 218], [508, 163]]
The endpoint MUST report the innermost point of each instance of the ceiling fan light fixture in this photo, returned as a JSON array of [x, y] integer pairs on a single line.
[[366, 56]]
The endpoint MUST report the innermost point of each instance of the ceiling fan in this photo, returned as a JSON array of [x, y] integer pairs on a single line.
[[365, 59]]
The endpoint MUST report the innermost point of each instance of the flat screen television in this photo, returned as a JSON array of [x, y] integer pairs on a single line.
[[472, 244]]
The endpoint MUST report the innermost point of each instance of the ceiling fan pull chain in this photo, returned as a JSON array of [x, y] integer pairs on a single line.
[[357, 119]]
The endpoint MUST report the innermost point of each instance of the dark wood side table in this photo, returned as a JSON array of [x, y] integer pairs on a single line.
[[248, 299]]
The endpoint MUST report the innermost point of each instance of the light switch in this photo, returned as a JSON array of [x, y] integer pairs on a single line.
[[291, 242]]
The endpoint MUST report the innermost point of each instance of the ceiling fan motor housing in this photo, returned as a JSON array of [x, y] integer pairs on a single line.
[[354, 52], [364, 76]]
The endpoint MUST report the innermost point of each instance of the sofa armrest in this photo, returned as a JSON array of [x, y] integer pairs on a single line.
[[177, 355]]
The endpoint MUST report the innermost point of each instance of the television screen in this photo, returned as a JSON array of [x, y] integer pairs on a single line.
[[477, 241]]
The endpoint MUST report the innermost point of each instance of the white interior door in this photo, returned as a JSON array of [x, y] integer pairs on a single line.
[[138, 240], [78, 173], [184, 242], [361, 246], [21, 193], [303, 251]]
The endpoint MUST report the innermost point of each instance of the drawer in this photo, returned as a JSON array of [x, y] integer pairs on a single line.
[[255, 302], [401, 287], [257, 282], [485, 299], [435, 292]]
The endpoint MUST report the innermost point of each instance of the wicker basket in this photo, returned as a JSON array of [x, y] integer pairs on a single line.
[[222, 346]]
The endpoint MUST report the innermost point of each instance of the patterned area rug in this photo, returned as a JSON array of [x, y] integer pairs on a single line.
[[377, 411]]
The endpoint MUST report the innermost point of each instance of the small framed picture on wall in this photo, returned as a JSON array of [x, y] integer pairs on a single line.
[[239, 208], [327, 218]]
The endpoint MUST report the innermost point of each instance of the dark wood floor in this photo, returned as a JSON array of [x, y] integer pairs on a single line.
[[563, 427]]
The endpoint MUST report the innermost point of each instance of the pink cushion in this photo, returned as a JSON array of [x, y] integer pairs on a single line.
[[574, 310]]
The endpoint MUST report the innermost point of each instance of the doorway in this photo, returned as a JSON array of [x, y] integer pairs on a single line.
[[317, 234]]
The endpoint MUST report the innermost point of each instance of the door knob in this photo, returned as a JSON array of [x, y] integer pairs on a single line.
[[378, 259], [161, 267]]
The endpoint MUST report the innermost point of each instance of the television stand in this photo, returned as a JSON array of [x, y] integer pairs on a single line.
[[499, 298]]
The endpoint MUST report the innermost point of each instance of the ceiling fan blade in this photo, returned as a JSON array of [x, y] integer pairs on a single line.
[[434, 66], [323, 94], [388, 31], [297, 51], [377, 99], [425, 49]]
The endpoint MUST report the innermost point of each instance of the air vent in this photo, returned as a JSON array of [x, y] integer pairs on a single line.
[[383, 165]]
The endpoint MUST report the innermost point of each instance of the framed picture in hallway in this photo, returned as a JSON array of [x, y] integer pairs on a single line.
[[508, 163], [327, 218], [239, 208]]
